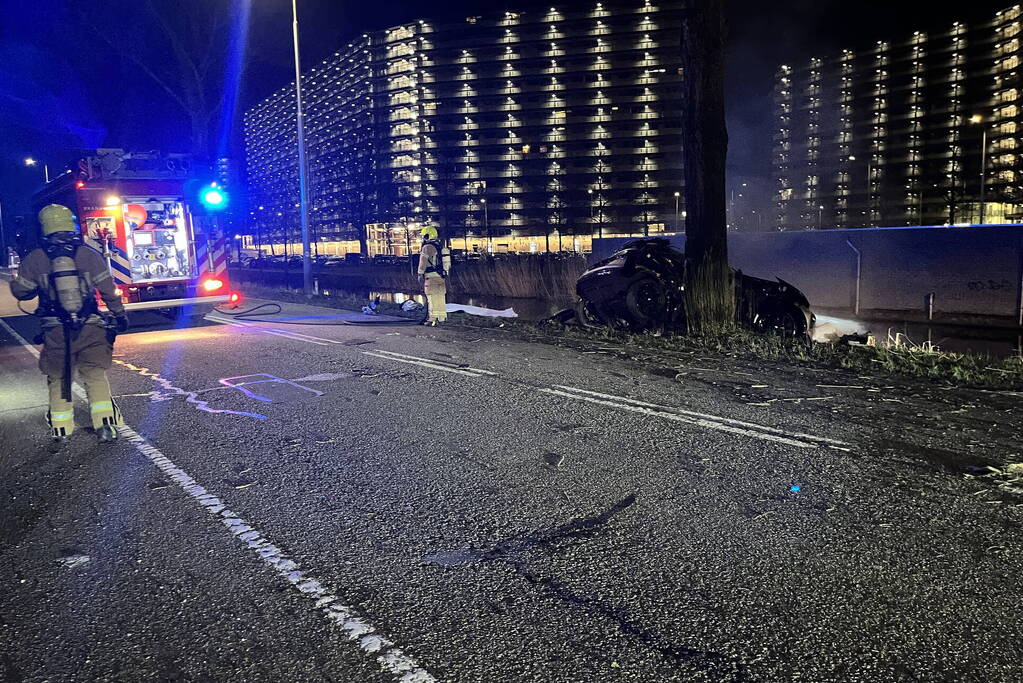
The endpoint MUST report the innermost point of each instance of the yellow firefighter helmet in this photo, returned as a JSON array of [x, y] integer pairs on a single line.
[[429, 232], [57, 218]]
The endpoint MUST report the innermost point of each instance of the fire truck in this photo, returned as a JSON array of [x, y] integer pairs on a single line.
[[152, 216]]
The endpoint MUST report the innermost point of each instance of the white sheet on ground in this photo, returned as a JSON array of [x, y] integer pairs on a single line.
[[487, 312], [830, 329]]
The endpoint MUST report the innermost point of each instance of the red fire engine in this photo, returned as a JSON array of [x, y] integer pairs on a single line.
[[138, 210]]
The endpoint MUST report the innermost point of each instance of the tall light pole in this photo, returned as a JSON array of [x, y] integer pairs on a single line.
[[303, 177], [870, 187], [4, 258], [978, 119], [678, 196], [29, 161], [820, 216], [486, 224]]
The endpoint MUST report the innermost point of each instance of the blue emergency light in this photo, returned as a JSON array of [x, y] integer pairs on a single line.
[[213, 198]]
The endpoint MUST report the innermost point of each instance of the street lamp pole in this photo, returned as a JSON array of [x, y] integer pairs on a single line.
[[46, 168], [303, 177], [3, 240], [486, 225], [870, 191], [678, 195], [978, 119], [983, 174]]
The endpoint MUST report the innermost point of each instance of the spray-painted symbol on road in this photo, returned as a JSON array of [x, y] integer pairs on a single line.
[[261, 378], [168, 391]]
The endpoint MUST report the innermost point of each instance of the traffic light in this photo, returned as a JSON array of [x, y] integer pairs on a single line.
[[213, 197]]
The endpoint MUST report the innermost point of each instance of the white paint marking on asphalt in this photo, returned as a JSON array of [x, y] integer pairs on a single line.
[[390, 657], [698, 421], [288, 334], [720, 423], [426, 364], [715, 418], [436, 362]]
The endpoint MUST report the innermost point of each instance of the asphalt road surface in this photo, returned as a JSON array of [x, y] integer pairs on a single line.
[[331, 502]]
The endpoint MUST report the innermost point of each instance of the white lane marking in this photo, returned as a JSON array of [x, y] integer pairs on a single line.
[[715, 418], [424, 363], [390, 657], [698, 421], [288, 334], [277, 333], [720, 423], [353, 626], [436, 362]]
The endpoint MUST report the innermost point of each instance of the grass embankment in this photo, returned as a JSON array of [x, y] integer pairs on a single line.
[[890, 357]]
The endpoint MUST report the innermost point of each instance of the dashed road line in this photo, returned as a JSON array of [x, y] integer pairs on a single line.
[[356, 628], [287, 334], [429, 363], [436, 362], [623, 402], [716, 422]]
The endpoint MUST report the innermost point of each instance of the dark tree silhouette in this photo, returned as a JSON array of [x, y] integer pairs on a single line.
[[184, 53], [710, 298]]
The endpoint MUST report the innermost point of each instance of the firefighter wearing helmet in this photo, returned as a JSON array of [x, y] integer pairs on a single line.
[[434, 264], [66, 274]]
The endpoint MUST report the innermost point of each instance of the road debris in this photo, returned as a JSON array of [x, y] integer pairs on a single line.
[[72, 561], [554, 459]]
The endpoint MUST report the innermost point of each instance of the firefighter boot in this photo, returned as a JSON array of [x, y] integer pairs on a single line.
[[61, 416], [105, 416]]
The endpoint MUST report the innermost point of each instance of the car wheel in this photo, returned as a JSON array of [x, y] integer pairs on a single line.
[[585, 315], [791, 323], [646, 303]]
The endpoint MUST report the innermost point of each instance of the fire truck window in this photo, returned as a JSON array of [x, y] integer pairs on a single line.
[[157, 241]]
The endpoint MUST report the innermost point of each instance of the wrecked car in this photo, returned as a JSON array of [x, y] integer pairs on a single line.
[[641, 288]]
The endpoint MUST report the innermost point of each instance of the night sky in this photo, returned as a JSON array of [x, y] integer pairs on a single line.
[[62, 86]]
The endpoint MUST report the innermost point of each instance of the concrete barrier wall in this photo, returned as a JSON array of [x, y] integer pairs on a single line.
[[970, 270]]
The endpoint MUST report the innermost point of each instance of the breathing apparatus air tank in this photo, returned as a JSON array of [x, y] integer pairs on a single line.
[[60, 229], [64, 277]]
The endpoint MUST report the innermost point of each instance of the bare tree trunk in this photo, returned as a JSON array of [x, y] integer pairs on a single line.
[[710, 295]]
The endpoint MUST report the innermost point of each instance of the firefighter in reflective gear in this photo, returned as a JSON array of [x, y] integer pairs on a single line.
[[434, 264], [66, 274]]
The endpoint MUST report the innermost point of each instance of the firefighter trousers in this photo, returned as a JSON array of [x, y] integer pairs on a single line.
[[91, 356], [436, 298]]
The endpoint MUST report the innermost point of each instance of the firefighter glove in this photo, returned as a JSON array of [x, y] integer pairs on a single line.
[[121, 323]]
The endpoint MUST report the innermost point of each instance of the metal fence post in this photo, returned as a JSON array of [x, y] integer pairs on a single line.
[[859, 273]]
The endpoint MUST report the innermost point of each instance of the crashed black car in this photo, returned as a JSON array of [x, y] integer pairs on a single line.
[[641, 288]]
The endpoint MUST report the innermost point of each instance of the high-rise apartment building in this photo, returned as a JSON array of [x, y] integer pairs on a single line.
[[923, 131], [557, 120]]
